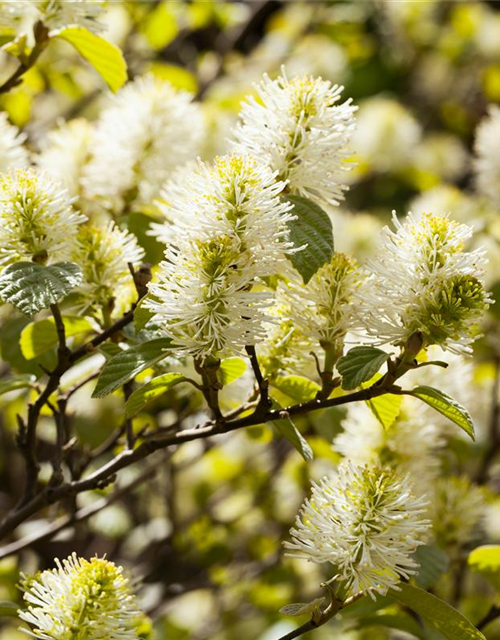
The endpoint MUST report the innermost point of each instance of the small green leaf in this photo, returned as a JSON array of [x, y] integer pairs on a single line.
[[433, 564], [8, 609], [386, 408], [297, 388], [311, 229], [110, 350], [127, 364], [31, 287], [155, 388], [302, 608], [486, 561], [142, 315], [21, 381], [359, 365], [288, 430], [438, 613], [446, 405], [230, 370], [105, 57], [38, 337]]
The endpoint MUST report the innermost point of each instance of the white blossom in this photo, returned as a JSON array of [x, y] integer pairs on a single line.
[[487, 161], [232, 231], [410, 444], [37, 220], [88, 598], [423, 280], [147, 131], [103, 254], [65, 153], [296, 127], [13, 155], [56, 14], [366, 522]]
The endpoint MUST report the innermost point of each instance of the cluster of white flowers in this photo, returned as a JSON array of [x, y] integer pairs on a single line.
[[80, 599], [13, 155], [206, 297], [65, 153], [424, 281], [37, 220], [487, 162], [325, 308], [103, 253], [148, 130], [409, 444], [299, 130], [364, 521], [55, 14]]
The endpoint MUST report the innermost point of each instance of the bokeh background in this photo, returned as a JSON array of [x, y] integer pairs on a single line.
[[200, 530]]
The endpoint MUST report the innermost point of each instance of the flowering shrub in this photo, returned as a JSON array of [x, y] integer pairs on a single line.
[[209, 318]]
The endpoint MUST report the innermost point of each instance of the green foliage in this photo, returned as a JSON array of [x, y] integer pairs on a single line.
[[452, 624], [155, 388], [433, 564], [8, 609], [38, 337], [446, 405], [359, 365], [302, 608], [230, 370], [312, 229], [125, 365], [22, 381], [31, 287], [486, 561], [286, 427], [105, 57], [298, 388]]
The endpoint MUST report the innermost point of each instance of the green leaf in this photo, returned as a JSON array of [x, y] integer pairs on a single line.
[[359, 365], [21, 381], [433, 564], [31, 287], [446, 405], [302, 608], [230, 370], [8, 609], [127, 364], [150, 391], [452, 624], [142, 315], [386, 408], [298, 388], [110, 350], [486, 561], [312, 227], [288, 430], [105, 57], [38, 337]]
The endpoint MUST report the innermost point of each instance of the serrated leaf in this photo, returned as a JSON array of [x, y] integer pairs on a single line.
[[298, 388], [104, 56], [21, 381], [31, 287], [301, 608], [288, 430], [127, 364], [38, 337], [438, 613], [8, 609], [110, 350], [433, 563], [155, 388], [311, 229], [230, 370], [386, 408], [447, 406], [359, 365]]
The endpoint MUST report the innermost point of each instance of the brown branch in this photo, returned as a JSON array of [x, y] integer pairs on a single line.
[[41, 34], [262, 382], [106, 474]]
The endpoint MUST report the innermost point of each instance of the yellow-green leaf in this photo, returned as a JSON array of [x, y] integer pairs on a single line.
[[298, 388], [150, 391], [446, 405], [230, 370], [38, 337], [486, 561], [105, 57]]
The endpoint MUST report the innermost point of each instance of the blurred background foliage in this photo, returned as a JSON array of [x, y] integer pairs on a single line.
[[201, 529]]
